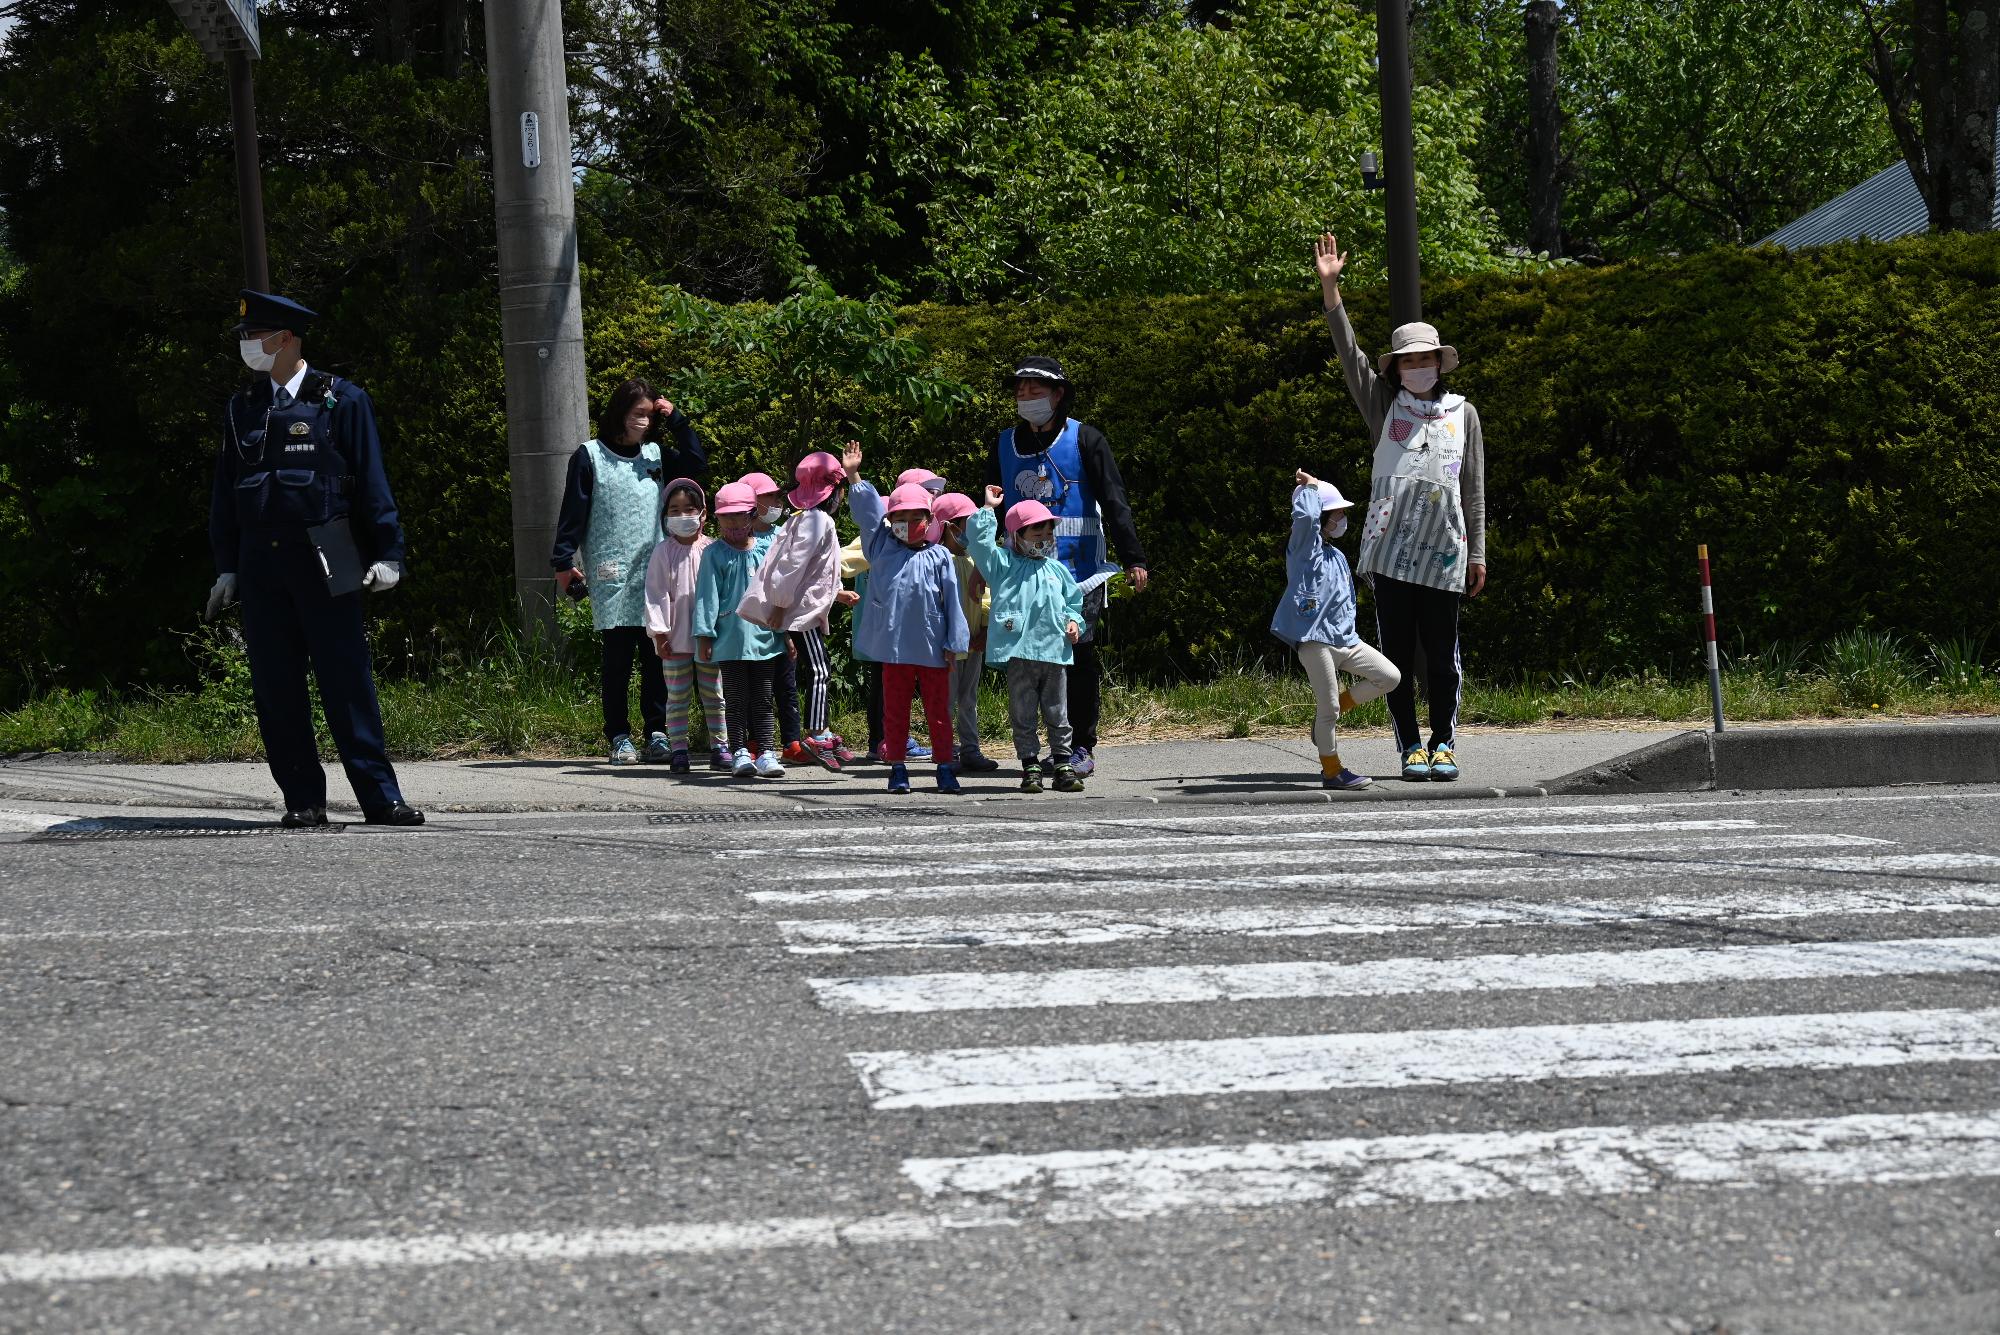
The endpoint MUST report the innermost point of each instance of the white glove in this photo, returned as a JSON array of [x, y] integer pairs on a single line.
[[220, 596], [382, 577]]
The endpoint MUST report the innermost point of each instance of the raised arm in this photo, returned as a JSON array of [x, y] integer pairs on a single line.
[[1368, 390]]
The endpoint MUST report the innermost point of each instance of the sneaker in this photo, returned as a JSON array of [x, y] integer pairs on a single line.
[[1443, 767], [917, 751], [743, 767], [874, 756], [1068, 780], [657, 751], [679, 762], [720, 760], [947, 779], [768, 766], [820, 751], [622, 750], [1080, 761], [975, 762], [1031, 776], [1417, 764], [1347, 781], [839, 750], [899, 778]]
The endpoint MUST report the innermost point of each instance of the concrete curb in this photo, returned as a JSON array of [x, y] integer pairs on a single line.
[[1874, 755]]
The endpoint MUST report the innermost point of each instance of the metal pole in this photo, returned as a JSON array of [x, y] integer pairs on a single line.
[[1399, 166], [1708, 633], [541, 302], [249, 185]]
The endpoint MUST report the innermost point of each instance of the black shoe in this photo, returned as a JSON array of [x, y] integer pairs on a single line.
[[401, 813], [1031, 776], [972, 762], [304, 818]]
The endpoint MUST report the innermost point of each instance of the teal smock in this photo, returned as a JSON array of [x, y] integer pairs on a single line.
[[624, 528], [1033, 600], [718, 587]]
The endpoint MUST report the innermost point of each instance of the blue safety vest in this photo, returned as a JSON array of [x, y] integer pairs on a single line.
[[1055, 477]]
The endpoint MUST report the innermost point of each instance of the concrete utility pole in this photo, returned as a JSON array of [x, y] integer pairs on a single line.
[[1399, 159], [541, 301], [227, 32]]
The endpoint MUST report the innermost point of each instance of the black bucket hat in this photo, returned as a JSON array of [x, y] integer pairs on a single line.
[[1046, 369]]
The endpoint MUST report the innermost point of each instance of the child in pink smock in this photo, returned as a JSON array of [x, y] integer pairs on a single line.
[[670, 577]]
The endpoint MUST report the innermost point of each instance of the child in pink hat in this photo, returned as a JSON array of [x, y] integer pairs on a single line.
[[671, 573], [793, 591], [948, 519], [746, 652], [913, 623], [1036, 620]]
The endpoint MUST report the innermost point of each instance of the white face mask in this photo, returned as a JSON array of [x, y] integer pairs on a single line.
[[1420, 379], [1035, 412], [1334, 525], [684, 526], [771, 514], [254, 356]]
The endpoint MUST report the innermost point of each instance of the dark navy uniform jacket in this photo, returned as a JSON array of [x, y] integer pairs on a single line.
[[281, 470]]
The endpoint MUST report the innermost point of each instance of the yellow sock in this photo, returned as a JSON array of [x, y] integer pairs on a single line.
[[1346, 701], [1330, 765]]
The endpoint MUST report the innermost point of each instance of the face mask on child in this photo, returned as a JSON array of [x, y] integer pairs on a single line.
[[1039, 551], [771, 514], [1334, 525], [905, 530], [684, 526]]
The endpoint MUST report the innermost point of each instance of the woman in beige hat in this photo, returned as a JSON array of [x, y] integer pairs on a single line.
[[1423, 539]]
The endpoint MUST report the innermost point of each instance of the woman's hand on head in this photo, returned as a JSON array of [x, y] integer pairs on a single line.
[[664, 407]]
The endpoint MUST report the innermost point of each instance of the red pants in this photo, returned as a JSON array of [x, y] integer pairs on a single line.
[[934, 684]]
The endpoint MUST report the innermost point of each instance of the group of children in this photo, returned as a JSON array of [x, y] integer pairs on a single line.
[[740, 620]]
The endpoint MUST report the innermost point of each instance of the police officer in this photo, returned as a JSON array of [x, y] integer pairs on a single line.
[[1068, 466], [300, 504]]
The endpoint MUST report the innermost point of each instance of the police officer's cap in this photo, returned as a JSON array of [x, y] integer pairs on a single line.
[[267, 310], [1045, 369]]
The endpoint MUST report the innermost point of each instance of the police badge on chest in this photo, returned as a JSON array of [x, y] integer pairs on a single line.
[[301, 441]]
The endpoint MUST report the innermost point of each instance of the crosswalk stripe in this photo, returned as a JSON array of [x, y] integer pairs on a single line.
[[919, 994], [1092, 1185], [1089, 1072], [1328, 872], [1082, 927]]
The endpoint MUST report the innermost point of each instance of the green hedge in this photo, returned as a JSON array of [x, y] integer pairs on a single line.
[[1825, 421]]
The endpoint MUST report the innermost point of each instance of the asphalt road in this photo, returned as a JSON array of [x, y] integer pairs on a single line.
[[1705, 1064]]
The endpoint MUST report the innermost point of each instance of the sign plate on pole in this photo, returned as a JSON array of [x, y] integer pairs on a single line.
[[221, 26], [531, 140]]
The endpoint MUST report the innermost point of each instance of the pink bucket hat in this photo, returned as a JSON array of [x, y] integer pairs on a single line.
[[1025, 513], [949, 509], [735, 498], [922, 477], [760, 484], [909, 496], [818, 474]]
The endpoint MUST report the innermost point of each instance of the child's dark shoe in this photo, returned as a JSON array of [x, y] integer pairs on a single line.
[[1031, 777], [947, 779], [1067, 779], [1346, 781], [679, 763], [899, 778], [975, 762], [720, 760]]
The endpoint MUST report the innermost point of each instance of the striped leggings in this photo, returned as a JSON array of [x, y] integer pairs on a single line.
[[815, 675], [747, 686], [685, 675]]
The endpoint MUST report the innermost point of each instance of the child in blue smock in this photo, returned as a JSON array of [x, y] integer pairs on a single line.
[[911, 624], [746, 652], [1037, 616], [1316, 617]]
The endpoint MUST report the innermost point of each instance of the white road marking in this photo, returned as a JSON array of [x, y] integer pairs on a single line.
[[334, 928], [1094, 1072], [1084, 1186], [35, 822], [1085, 927], [984, 880], [920, 994]]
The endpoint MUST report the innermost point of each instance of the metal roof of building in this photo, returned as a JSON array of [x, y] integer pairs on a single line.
[[1883, 207]]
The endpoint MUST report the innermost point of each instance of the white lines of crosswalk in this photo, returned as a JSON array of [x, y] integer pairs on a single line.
[[1224, 883]]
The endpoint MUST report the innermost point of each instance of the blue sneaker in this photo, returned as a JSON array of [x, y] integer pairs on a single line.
[[657, 751], [899, 778], [947, 779], [917, 751], [622, 750], [1347, 781], [1443, 767], [1081, 761], [1417, 764]]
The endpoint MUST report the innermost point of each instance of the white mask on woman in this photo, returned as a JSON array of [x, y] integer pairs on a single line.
[[1036, 412], [1420, 379]]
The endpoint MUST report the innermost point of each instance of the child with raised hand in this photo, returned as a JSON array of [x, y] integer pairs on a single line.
[[793, 591], [747, 653], [671, 575], [913, 621], [1316, 617], [1036, 618], [949, 516]]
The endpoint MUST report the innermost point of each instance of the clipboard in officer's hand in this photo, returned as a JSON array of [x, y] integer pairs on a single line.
[[339, 557]]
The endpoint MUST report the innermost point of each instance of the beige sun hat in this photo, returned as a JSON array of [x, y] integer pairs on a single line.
[[1418, 337]]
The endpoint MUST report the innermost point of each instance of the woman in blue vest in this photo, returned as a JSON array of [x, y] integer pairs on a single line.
[[1067, 465], [609, 524]]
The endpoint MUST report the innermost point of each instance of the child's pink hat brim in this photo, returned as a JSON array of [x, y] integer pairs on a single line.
[[760, 484], [735, 498], [910, 496], [1025, 513], [818, 474]]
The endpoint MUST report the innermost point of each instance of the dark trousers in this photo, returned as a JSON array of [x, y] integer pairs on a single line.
[[290, 622], [1085, 686], [873, 690], [746, 701], [1418, 625], [785, 692], [813, 674], [621, 643]]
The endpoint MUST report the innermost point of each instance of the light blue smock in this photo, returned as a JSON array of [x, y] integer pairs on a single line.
[[912, 613], [624, 529], [725, 574], [1319, 596], [1033, 600]]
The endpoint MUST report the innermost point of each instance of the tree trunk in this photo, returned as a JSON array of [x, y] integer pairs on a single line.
[[1544, 20], [1975, 92], [1953, 81]]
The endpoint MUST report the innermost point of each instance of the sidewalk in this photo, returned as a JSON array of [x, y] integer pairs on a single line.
[[1500, 763]]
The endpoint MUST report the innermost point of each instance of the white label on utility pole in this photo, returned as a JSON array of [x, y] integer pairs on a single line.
[[531, 140]]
